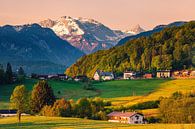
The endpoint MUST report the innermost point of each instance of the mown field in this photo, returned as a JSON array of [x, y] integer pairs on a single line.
[[40, 122]]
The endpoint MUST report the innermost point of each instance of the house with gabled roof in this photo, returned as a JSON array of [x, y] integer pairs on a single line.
[[101, 75], [126, 117]]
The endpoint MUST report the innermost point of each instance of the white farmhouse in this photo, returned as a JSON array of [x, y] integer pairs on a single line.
[[100, 75], [126, 117]]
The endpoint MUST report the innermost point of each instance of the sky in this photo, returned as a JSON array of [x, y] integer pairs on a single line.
[[116, 14]]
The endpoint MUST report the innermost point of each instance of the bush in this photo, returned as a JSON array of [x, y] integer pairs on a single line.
[[146, 105], [178, 109]]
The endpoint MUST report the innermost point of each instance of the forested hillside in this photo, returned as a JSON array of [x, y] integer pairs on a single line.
[[172, 48]]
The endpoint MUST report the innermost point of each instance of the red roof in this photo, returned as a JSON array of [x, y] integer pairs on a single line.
[[122, 114]]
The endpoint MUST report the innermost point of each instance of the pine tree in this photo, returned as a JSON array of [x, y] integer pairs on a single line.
[[2, 75], [21, 75], [9, 74]]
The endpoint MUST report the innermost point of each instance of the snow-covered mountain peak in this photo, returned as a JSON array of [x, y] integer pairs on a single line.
[[135, 30], [86, 34]]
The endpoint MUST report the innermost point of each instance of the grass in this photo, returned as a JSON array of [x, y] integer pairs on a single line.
[[34, 122], [68, 90], [119, 92], [163, 90], [122, 88]]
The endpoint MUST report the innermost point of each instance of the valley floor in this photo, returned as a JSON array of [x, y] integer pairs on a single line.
[[34, 122]]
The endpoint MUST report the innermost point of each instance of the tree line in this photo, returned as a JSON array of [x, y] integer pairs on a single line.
[[42, 101], [7, 76], [171, 49]]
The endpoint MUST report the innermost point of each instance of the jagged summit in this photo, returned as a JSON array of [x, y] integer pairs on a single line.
[[88, 35], [135, 30]]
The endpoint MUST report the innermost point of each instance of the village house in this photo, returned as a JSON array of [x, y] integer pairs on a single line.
[[80, 78], [129, 75], [163, 74], [126, 117], [192, 73], [62, 76], [100, 75], [147, 76]]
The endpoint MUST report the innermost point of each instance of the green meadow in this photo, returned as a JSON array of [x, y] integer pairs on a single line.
[[119, 92]]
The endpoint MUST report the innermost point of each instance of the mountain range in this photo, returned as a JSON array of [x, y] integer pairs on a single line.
[[52, 45], [88, 35], [35, 48]]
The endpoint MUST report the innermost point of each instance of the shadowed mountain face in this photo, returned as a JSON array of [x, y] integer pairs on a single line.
[[149, 33], [28, 44]]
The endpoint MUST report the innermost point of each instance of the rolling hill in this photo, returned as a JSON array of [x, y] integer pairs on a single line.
[[172, 48]]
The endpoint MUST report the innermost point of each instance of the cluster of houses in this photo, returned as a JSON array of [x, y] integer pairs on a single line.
[[50, 76], [101, 75]]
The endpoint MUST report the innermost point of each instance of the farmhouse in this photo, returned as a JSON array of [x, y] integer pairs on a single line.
[[147, 76], [163, 74], [126, 117], [62, 76], [100, 75], [129, 75], [192, 73], [80, 78]]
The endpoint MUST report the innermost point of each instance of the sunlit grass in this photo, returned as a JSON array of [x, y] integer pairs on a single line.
[[41, 122], [165, 90]]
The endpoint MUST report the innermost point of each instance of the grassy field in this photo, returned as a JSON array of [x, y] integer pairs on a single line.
[[34, 122], [120, 92], [69, 90], [164, 89]]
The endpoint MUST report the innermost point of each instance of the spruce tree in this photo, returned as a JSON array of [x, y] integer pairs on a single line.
[[9, 74]]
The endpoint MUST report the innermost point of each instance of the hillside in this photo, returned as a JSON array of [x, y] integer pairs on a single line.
[[31, 46], [172, 48], [85, 34]]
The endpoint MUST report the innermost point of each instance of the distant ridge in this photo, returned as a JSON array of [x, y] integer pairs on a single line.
[[150, 32]]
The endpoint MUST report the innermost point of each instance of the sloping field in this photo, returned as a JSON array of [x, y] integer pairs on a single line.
[[164, 90], [39, 122]]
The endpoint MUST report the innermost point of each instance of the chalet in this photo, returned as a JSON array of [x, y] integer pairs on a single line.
[[163, 74], [100, 75], [147, 76], [6, 113], [52, 76], [192, 73], [129, 75], [185, 73], [126, 117], [9, 113], [80, 78], [62, 76], [42, 77]]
